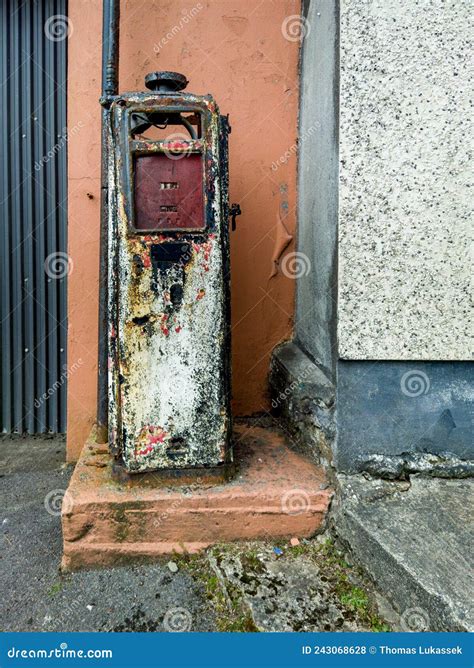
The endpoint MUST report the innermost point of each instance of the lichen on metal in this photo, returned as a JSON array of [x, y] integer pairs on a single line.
[[169, 334]]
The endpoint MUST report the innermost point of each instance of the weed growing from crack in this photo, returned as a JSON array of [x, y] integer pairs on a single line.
[[232, 614], [340, 577], [55, 588]]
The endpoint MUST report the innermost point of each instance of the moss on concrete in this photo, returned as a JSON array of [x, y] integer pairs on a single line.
[[232, 614], [348, 582]]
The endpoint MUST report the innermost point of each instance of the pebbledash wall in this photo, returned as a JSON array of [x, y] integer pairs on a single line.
[[383, 314]]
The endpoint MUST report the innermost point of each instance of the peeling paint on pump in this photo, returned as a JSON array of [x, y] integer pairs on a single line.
[[169, 335]]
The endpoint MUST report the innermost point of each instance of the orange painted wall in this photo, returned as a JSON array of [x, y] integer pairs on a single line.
[[236, 50]]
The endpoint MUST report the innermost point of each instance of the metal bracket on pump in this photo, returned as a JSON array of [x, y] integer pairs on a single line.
[[234, 211]]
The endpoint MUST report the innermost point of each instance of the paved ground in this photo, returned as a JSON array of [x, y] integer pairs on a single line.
[[255, 586], [37, 597]]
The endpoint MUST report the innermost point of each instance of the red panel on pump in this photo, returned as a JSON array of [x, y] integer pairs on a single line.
[[169, 192]]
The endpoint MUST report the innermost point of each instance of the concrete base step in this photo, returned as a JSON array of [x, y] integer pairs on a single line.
[[275, 492]]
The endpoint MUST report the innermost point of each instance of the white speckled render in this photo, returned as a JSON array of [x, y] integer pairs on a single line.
[[404, 212]]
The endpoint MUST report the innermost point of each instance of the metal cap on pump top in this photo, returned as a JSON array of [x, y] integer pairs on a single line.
[[165, 82], [162, 83]]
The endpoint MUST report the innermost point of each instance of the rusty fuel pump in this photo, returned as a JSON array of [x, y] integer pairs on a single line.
[[168, 278]]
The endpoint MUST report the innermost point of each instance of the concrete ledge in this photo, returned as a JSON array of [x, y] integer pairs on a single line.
[[303, 398], [414, 538], [275, 493]]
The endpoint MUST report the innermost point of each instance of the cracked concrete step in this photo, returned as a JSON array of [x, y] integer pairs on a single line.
[[415, 539]]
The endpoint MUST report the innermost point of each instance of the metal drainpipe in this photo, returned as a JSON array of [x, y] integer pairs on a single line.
[[110, 62]]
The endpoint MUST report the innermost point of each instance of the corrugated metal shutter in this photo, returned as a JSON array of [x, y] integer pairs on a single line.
[[33, 207]]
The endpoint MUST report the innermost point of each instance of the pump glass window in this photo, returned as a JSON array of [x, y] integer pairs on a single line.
[[168, 192]]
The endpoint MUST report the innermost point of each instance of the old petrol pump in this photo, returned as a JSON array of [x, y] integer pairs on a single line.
[[168, 278]]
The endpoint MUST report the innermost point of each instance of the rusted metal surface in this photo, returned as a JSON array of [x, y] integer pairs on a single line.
[[169, 334]]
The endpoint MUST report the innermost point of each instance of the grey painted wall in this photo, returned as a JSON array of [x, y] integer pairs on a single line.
[[315, 320], [391, 408]]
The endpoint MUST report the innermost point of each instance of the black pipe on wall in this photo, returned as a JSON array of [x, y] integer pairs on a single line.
[[110, 72]]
